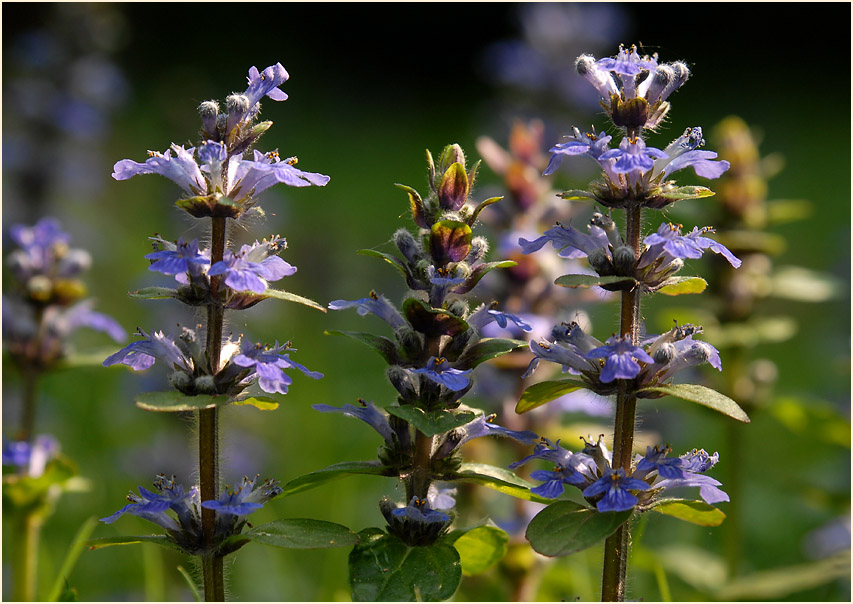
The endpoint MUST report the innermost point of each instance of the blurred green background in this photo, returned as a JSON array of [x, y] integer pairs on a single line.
[[372, 86]]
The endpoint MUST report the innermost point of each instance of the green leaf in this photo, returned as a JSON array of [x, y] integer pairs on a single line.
[[103, 542], [499, 479], [566, 527], [675, 286], [380, 344], [302, 533], [264, 403], [431, 422], [288, 297], [74, 551], [485, 349], [153, 293], [338, 470], [703, 396], [480, 548], [173, 401], [688, 192], [695, 512], [416, 203], [392, 260], [384, 569], [481, 206], [190, 584], [576, 194], [545, 392], [479, 272], [586, 281], [432, 321]]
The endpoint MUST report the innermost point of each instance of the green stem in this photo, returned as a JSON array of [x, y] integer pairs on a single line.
[[616, 546], [26, 558], [208, 429]]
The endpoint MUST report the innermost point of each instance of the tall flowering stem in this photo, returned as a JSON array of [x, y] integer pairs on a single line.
[[635, 177], [219, 183]]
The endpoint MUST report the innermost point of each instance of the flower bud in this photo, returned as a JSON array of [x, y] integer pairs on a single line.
[[209, 112], [205, 384], [40, 288], [600, 263], [624, 260], [407, 245], [402, 382], [681, 74], [479, 248], [657, 83], [181, 381], [664, 354], [458, 307], [410, 341], [237, 106], [74, 263]]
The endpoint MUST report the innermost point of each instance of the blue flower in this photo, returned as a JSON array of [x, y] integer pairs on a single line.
[[502, 317], [693, 465], [620, 354], [438, 370], [367, 412], [252, 267], [142, 354], [375, 304], [178, 259], [669, 239], [249, 178], [615, 487], [419, 511], [570, 242], [578, 144], [43, 251], [61, 323], [656, 460], [632, 156], [181, 168], [266, 83], [153, 506], [575, 469], [244, 500], [269, 365]]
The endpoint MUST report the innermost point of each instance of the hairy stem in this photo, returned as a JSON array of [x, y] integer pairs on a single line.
[[208, 429], [616, 546], [26, 558]]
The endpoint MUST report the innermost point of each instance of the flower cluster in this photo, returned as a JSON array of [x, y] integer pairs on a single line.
[[662, 255], [220, 182], [241, 363], [46, 304], [600, 364], [184, 527], [611, 489], [30, 458]]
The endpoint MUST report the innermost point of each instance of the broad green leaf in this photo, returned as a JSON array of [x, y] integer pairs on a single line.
[[380, 344], [485, 349], [172, 401], [695, 512], [777, 583], [302, 533], [384, 569], [153, 293], [264, 403], [586, 281], [566, 527], [431, 422], [480, 548], [702, 396], [288, 297], [338, 470], [103, 542], [77, 546], [499, 479], [545, 392], [675, 286]]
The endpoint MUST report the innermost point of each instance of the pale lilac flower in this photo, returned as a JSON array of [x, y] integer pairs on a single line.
[[269, 365], [439, 371], [620, 354], [376, 304], [252, 268]]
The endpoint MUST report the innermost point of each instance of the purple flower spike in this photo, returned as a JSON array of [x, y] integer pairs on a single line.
[[615, 487], [439, 371], [620, 354], [266, 83]]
